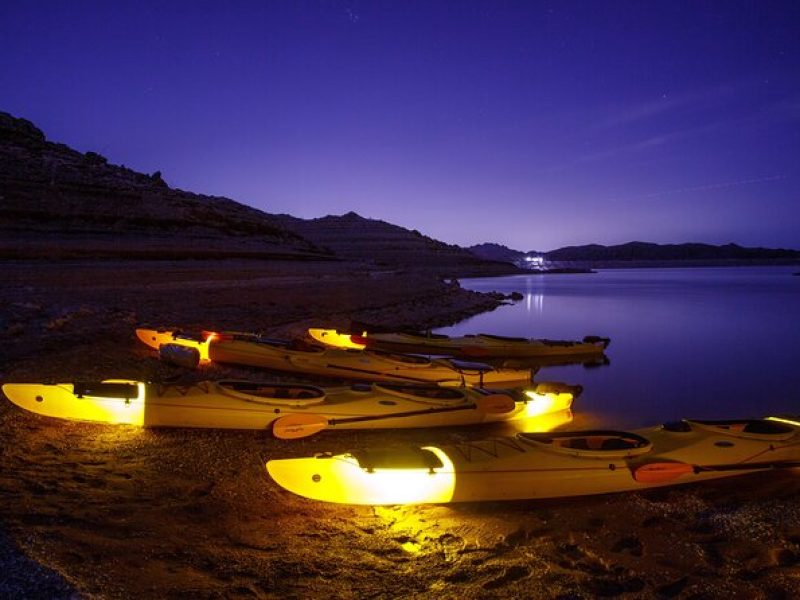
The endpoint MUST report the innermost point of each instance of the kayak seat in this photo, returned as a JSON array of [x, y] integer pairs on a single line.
[[579, 444], [281, 395], [617, 444], [612, 443], [677, 426], [423, 391], [589, 440]]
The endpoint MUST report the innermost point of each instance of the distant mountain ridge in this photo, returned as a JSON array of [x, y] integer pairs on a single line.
[[58, 202], [651, 251], [492, 251], [640, 251], [354, 237]]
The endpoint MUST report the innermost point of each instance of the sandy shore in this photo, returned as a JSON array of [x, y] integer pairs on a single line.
[[118, 512]]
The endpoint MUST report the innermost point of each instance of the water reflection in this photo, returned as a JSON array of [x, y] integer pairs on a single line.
[[703, 342], [534, 303]]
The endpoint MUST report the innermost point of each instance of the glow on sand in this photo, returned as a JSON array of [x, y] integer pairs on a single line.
[[342, 479]]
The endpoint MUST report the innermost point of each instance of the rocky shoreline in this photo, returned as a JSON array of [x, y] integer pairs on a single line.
[[94, 511]]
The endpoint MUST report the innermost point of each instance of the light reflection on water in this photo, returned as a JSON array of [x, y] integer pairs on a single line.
[[699, 342], [534, 303]]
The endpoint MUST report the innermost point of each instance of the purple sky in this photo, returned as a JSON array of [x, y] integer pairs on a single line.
[[532, 124]]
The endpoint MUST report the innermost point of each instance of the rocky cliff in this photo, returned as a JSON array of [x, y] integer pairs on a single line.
[[58, 202], [55, 201]]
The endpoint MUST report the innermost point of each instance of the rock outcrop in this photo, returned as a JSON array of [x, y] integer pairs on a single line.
[[56, 201]]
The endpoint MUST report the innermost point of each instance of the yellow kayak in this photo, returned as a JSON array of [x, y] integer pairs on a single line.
[[545, 465], [333, 339], [290, 410], [257, 351], [468, 346]]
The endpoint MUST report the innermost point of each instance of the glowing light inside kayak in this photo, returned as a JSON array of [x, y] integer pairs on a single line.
[[404, 486], [544, 403], [546, 422], [202, 347], [343, 480], [111, 401], [129, 411], [155, 339]]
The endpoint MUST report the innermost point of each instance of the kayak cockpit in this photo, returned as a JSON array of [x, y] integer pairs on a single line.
[[289, 394], [741, 428], [599, 443], [423, 393]]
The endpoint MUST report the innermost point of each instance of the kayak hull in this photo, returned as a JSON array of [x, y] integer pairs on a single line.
[[247, 405], [520, 468]]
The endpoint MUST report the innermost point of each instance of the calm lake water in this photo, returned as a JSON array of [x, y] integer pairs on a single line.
[[695, 342]]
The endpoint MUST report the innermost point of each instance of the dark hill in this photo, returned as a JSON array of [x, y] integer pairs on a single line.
[[492, 251], [643, 251], [55, 201], [354, 237]]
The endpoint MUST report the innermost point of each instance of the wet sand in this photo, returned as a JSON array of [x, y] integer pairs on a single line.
[[121, 512]]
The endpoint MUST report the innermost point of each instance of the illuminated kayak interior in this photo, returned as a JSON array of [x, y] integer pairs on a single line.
[[545, 465], [291, 410], [258, 351]]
